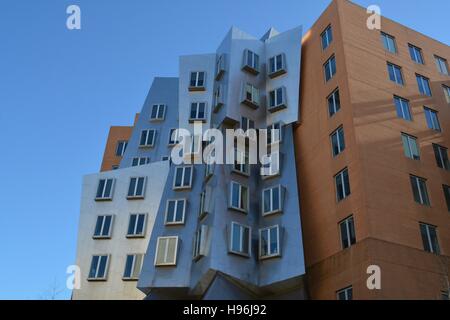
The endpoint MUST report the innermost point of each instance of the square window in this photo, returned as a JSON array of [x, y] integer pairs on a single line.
[[137, 225], [133, 265], [198, 112], [240, 239], [269, 242], [239, 197], [105, 189], [271, 165], [99, 268], [147, 139], [158, 112], [251, 96], [103, 227], [136, 189], [183, 178], [197, 82], [277, 66], [175, 211], [166, 251]]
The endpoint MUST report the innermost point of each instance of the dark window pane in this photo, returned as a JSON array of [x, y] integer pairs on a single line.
[[93, 269], [107, 225], [98, 226], [101, 185], [128, 267], [180, 209], [140, 224], [132, 224], [102, 267], [132, 187], [140, 187]]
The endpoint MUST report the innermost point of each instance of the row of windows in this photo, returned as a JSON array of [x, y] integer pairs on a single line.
[[239, 244], [412, 151], [98, 270], [347, 294], [136, 226], [396, 75], [415, 53]]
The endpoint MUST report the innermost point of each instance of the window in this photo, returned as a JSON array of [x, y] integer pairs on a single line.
[[334, 103], [136, 189], [197, 82], [330, 68], [345, 294], [241, 162], [203, 210], [218, 100], [247, 123], [342, 182], [429, 238], [410, 147], [277, 99], [269, 242], [251, 62], [277, 66], [424, 85], [446, 93], [240, 239], [114, 167], [147, 138], [175, 210], [209, 165], [274, 133], [103, 227], [199, 248], [220, 67], [173, 137], [327, 37], [158, 112], [239, 197], [395, 73], [183, 178], [338, 141], [388, 42], [416, 54], [121, 147], [140, 161], [166, 251], [348, 237], [441, 155], [99, 267], [272, 200], [447, 195], [133, 266], [165, 158], [442, 65], [419, 188], [136, 225], [402, 107], [105, 189], [271, 166], [432, 119], [251, 96], [198, 111]]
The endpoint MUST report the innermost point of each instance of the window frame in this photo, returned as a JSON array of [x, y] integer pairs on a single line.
[[196, 105], [173, 142], [196, 86], [124, 144], [424, 199], [255, 93], [183, 187], [260, 245], [446, 93], [277, 106], [236, 167], [408, 138], [254, 67], [220, 67], [340, 144], [433, 116], [133, 276], [341, 175], [165, 263], [102, 227], [441, 156], [276, 72], [139, 160], [397, 72], [158, 109], [199, 243], [327, 32], [421, 81], [272, 211], [416, 54], [103, 197], [348, 297], [336, 103], [175, 213], [386, 44], [135, 196], [136, 235], [241, 244], [105, 275], [147, 135], [428, 227], [402, 104], [349, 224], [247, 202], [328, 66], [441, 64]]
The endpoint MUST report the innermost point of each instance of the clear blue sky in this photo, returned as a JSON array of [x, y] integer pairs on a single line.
[[60, 91]]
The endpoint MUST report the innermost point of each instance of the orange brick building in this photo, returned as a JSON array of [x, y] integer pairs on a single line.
[[390, 206]]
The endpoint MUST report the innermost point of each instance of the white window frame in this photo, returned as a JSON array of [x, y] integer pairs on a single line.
[[144, 186], [327, 66], [346, 223], [398, 80], [135, 269], [417, 53], [424, 199], [203, 210], [442, 65], [276, 92], [272, 135], [175, 213], [446, 93], [270, 254], [199, 245], [96, 277], [139, 160], [335, 104], [174, 132], [269, 165], [103, 197], [124, 144], [280, 190], [427, 228], [220, 67], [441, 151], [436, 124], [255, 95], [241, 168], [276, 72], [404, 105], [326, 35], [346, 292], [182, 187], [101, 235], [340, 174], [218, 98], [247, 204], [196, 105], [424, 80], [197, 87], [158, 109], [340, 144], [389, 49], [147, 144], [410, 140], [241, 244], [253, 67], [144, 226], [165, 263]]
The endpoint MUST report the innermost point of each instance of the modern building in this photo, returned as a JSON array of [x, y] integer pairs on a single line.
[[362, 117], [372, 158]]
